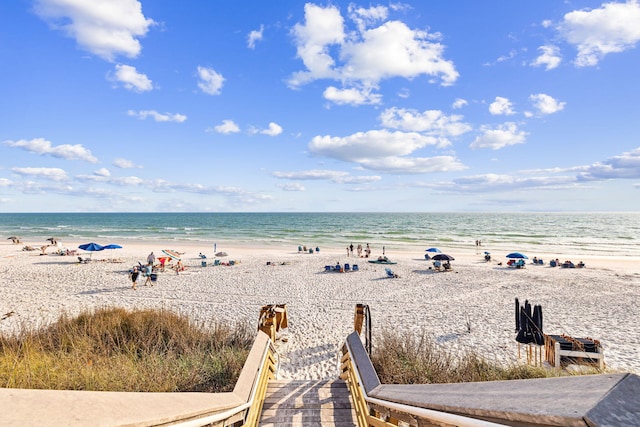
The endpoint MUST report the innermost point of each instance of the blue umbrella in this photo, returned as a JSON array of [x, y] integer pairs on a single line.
[[433, 250], [517, 255], [112, 246], [91, 247]]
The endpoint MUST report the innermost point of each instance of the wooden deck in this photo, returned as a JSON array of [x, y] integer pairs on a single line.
[[307, 403]]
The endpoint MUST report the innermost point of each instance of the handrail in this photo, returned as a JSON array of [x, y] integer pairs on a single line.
[[423, 413]]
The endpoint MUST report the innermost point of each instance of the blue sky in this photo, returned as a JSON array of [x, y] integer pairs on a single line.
[[124, 105]]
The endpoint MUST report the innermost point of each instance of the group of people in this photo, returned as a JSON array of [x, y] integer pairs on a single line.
[[147, 270], [360, 250]]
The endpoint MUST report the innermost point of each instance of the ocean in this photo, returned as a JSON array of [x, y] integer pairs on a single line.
[[601, 234]]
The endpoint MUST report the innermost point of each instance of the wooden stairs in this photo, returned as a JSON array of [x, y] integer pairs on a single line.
[[291, 403]]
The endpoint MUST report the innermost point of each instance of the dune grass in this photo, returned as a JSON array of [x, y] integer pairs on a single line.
[[408, 359], [113, 349]]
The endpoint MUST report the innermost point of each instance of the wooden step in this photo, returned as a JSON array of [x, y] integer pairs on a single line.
[[307, 403]]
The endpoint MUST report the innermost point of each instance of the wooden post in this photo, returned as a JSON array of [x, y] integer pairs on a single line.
[[358, 318]]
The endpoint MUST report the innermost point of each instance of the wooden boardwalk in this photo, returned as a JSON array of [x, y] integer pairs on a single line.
[[307, 403]]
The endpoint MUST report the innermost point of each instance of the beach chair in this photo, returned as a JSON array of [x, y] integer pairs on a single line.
[[355, 267], [327, 268], [83, 260], [390, 273], [216, 262], [437, 265], [347, 267]]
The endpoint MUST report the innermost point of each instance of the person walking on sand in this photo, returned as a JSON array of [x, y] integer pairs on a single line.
[[151, 259], [134, 277], [147, 273]]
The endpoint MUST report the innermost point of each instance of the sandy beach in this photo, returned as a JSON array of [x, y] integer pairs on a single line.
[[599, 301]]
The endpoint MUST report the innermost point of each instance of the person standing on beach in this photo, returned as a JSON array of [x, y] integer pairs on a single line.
[[147, 273], [351, 248], [151, 258], [134, 277], [359, 250]]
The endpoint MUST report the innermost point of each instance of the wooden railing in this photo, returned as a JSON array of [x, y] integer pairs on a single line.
[[241, 407], [578, 400]]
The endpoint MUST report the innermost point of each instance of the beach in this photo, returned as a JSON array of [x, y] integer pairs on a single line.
[[468, 308]]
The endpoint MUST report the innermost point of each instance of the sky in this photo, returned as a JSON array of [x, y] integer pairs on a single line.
[[287, 106]]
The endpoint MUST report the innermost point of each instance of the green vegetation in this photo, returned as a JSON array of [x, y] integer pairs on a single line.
[[407, 359], [118, 350]]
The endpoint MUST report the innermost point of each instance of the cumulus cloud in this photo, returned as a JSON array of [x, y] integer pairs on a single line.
[[106, 28], [254, 36], [104, 172], [361, 146], [612, 28], [274, 129], [459, 103], [227, 127], [362, 57], [626, 165], [210, 81], [502, 136], [352, 96], [430, 122], [549, 58], [125, 164], [546, 104], [131, 79], [53, 174], [158, 117], [501, 106], [43, 147]]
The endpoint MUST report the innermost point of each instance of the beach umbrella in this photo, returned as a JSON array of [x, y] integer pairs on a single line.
[[517, 315], [91, 248], [487, 252], [443, 257], [221, 254], [171, 254], [538, 335], [435, 250], [517, 255], [13, 238], [53, 240], [112, 246]]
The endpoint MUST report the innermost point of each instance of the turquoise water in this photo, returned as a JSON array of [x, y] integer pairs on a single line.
[[615, 234]]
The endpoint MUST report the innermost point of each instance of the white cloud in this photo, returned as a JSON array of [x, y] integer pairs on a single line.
[[103, 172], [361, 146], [351, 96], [612, 28], [499, 137], [546, 104], [210, 81], [625, 166], [125, 164], [4, 182], [292, 186], [501, 106], [339, 177], [415, 165], [131, 79], [53, 174], [227, 127], [44, 147], [158, 117], [274, 129], [363, 57], [365, 18], [254, 36], [106, 28], [549, 58], [459, 103], [431, 122]]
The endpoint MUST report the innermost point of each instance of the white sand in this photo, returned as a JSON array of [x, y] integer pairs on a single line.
[[599, 301]]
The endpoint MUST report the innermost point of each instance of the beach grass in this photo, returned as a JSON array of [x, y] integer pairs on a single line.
[[409, 359], [113, 349]]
